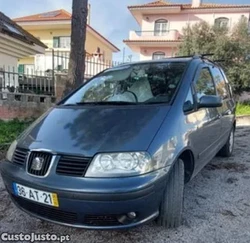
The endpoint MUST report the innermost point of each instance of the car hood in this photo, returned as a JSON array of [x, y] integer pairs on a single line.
[[88, 130]]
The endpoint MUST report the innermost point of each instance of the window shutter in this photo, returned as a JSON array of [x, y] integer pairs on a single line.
[[21, 68], [56, 42]]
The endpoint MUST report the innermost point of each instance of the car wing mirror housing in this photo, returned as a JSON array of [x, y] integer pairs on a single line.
[[209, 101], [188, 106]]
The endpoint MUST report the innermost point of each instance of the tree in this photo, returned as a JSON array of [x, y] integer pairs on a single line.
[[78, 38], [198, 38], [232, 47]]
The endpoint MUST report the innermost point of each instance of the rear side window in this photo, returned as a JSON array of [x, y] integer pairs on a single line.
[[204, 84], [221, 86]]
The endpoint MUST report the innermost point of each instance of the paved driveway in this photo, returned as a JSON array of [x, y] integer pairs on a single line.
[[217, 208]]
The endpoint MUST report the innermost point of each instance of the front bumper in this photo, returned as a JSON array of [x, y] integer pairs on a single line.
[[92, 203]]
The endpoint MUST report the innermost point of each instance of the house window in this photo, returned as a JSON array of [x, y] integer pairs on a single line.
[[160, 27], [221, 22], [61, 42], [158, 55]]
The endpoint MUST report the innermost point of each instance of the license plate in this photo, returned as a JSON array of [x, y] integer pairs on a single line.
[[35, 195]]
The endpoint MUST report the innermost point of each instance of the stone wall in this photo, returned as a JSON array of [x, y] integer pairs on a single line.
[[23, 106]]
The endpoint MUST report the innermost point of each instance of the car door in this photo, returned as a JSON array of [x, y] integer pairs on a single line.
[[228, 105], [205, 121]]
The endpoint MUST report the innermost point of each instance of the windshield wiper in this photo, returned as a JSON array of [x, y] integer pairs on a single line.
[[102, 103]]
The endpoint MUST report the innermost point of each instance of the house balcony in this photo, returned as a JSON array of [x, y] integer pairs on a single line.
[[172, 35]]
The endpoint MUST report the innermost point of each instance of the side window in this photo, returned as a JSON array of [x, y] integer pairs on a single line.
[[158, 55], [189, 102], [204, 84], [220, 83]]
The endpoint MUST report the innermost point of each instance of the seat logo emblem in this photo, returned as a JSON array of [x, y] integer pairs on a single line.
[[37, 163]]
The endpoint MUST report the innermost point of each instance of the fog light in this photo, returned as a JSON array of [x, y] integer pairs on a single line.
[[132, 215]]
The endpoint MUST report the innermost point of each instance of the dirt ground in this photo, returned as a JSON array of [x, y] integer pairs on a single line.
[[216, 208]]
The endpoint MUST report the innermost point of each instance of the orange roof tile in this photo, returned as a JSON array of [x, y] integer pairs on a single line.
[[162, 3], [48, 16]]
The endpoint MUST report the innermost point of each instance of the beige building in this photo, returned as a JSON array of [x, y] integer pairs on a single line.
[[54, 30]]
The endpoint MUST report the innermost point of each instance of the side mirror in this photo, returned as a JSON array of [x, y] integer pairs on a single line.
[[188, 106], [209, 101]]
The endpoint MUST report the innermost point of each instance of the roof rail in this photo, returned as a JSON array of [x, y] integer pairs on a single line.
[[204, 57], [182, 56], [195, 56]]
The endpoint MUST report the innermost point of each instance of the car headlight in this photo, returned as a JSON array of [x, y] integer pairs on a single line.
[[121, 164], [11, 151]]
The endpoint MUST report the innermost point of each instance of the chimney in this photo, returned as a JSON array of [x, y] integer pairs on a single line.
[[196, 3]]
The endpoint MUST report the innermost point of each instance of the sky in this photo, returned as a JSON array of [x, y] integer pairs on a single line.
[[109, 17]]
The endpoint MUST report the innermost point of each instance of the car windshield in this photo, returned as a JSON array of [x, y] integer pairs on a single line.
[[132, 84]]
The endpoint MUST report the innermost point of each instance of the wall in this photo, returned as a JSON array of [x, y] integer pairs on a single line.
[[23, 106], [179, 21], [46, 36], [26, 60], [93, 42], [146, 53], [8, 63]]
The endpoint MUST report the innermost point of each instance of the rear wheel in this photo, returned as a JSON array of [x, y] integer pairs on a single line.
[[227, 149], [172, 203]]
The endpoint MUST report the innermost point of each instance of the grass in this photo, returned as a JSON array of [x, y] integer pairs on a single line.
[[9, 130], [242, 109]]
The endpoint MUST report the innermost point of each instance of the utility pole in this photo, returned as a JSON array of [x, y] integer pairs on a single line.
[[123, 58]]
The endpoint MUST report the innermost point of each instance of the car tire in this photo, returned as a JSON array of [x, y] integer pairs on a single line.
[[227, 149], [172, 203]]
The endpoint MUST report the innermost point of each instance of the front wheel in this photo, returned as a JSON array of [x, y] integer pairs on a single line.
[[227, 149], [172, 203]]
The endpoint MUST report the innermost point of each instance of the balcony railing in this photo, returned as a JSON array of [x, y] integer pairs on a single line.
[[155, 35], [152, 33]]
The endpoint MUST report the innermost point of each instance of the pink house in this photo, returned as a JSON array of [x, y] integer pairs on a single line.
[[162, 23]]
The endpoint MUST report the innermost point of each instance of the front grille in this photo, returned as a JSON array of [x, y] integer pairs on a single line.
[[102, 220], [20, 156], [72, 166], [46, 212], [46, 161]]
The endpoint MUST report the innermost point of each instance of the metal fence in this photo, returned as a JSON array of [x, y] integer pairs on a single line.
[[43, 82], [93, 64], [34, 82]]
